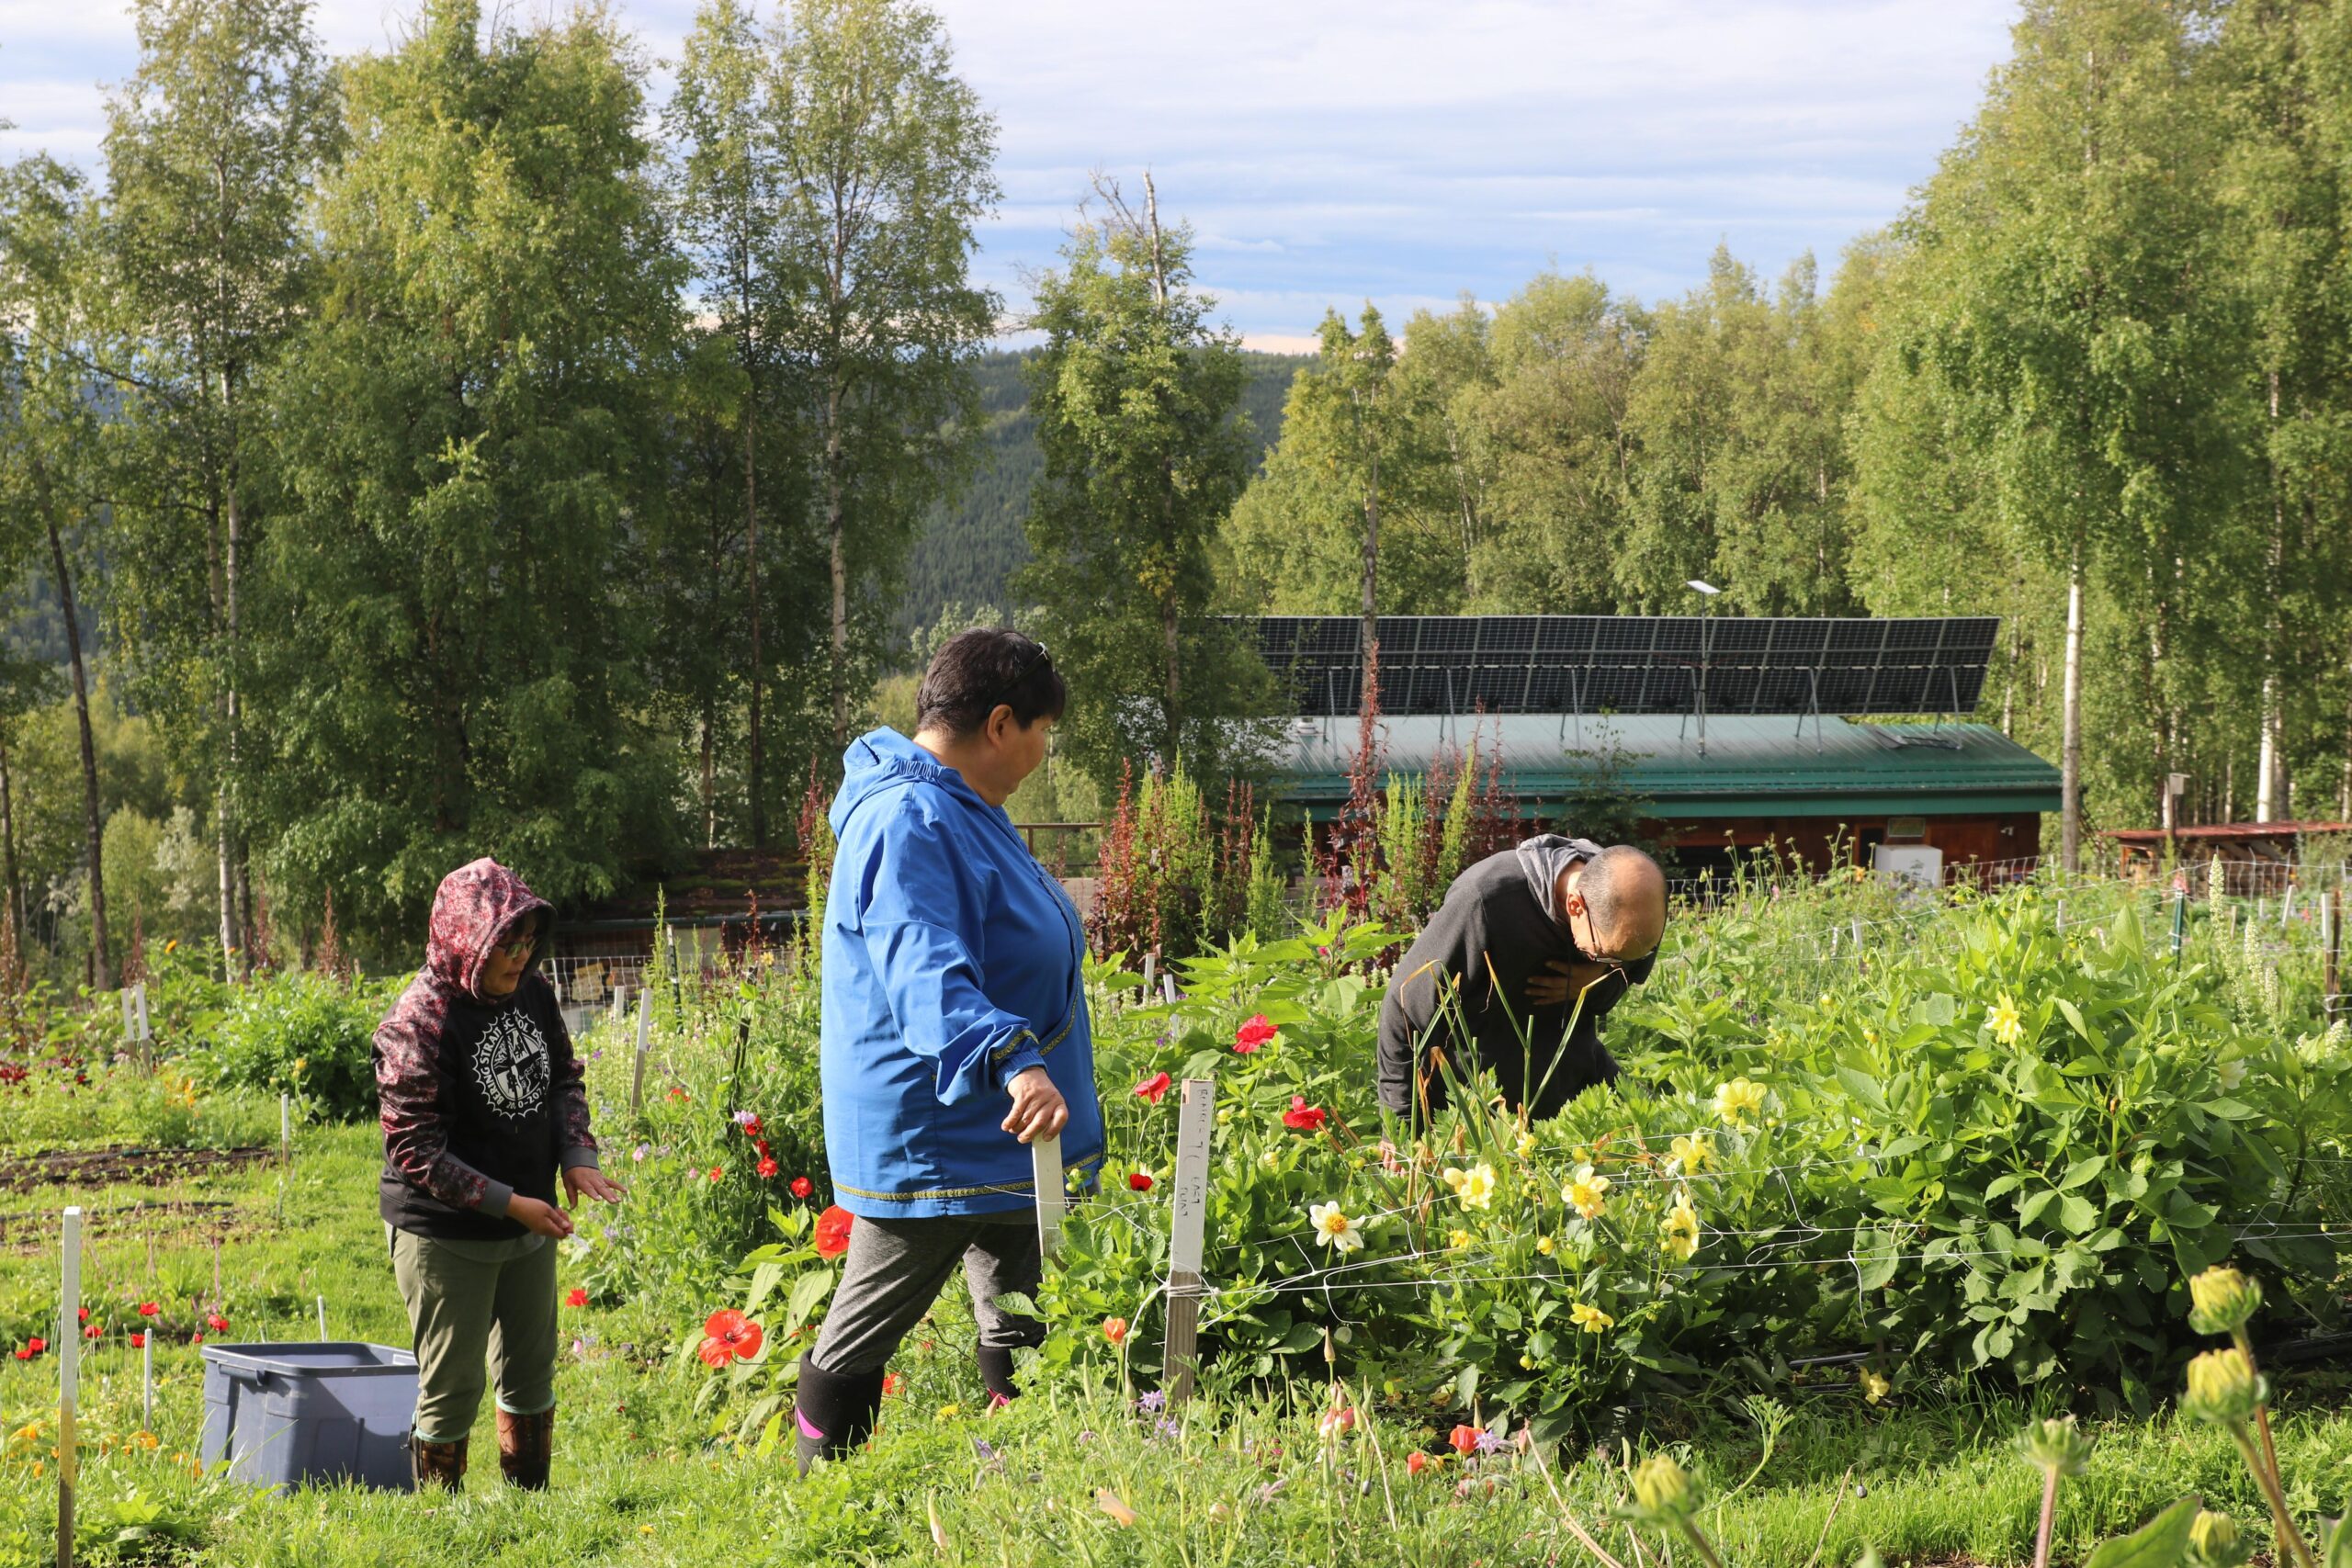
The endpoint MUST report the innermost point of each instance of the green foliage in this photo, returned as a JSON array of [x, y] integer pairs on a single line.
[[1134, 393], [467, 434], [305, 1035]]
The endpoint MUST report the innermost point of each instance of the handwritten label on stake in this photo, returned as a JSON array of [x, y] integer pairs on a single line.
[[1186, 1234], [1045, 1162]]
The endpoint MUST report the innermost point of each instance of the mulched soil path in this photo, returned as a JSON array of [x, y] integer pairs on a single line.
[[121, 1166]]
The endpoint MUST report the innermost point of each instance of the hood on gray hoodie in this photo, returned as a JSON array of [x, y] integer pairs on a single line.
[[1542, 858]]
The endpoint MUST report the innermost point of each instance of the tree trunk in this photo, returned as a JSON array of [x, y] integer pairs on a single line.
[[2070, 767], [2344, 790], [226, 854], [101, 964], [2265, 783], [751, 534], [709, 785], [15, 887], [2265, 762], [231, 580], [838, 561]]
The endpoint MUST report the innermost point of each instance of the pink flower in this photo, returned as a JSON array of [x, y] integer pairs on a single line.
[[1304, 1118], [1152, 1088], [1252, 1035]]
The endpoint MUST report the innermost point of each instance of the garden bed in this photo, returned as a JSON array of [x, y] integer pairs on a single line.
[[122, 1165]]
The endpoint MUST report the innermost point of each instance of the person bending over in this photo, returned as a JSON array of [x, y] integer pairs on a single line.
[[1513, 974]]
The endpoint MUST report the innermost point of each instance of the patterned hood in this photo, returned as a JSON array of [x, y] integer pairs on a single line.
[[477, 907]]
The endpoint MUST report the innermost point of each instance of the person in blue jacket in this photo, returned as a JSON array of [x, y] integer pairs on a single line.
[[954, 1028]]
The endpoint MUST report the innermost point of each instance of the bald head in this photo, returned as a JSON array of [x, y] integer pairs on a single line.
[[1622, 892]]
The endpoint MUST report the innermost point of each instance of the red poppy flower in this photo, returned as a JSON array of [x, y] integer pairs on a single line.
[[1464, 1440], [752, 1127], [766, 1168], [892, 1385], [761, 1144], [832, 1231], [1115, 1329], [716, 1174], [677, 1093], [1252, 1035], [148, 1309], [93, 1330], [84, 1314], [138, 1340], [25, 1352], [1152, 1088], [577, 1298], [727, 1336], [1416, 1463], [215, 1323], [34, 1347], [1304, 1118], [197, 1338], [1137, 1181], [802, 1187]]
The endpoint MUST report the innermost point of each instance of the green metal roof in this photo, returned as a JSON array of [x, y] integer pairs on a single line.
[[1753, 767]]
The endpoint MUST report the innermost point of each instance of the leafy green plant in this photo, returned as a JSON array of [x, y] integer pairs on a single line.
[[305, 1035]]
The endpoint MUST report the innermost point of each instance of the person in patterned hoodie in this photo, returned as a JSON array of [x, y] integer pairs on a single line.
[[483, 1105]]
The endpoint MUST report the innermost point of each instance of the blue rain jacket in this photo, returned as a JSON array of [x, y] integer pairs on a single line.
[[952, 962]]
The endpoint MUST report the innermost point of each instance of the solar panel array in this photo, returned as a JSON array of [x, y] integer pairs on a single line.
[[1551, 664]]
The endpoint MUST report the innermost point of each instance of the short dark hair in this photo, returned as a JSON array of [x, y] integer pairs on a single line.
[[976, 671], [1605, 883]]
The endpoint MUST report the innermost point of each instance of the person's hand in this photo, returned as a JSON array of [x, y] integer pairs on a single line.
[[1389, 1161], [1039, 1109], [1565, 978], [539, 1218], [578, 1178]]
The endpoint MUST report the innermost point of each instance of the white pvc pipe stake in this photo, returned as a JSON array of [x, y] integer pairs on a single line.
[[322, 1319], [644, 1035], [144, 1031], [1168, 988], [68, 1371], [284, 1129], [147, 1379], [2287, 905], [1046, 1163]]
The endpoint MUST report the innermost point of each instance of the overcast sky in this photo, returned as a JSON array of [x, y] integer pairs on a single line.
[[1329, 152]]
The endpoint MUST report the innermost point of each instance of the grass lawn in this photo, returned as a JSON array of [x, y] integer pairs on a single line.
[[641, 1477]]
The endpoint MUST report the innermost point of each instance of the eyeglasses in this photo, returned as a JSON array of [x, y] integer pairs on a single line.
[[515, 947], [1038, 655]]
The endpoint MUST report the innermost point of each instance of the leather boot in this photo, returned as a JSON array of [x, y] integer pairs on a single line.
[[526, 1443], [835, 1411], [436, 1464], [996, 1370]]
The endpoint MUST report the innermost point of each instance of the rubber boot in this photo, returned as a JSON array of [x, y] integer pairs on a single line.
[[436, 1464], [996, 1370], [835, 1411], [525, 1444]]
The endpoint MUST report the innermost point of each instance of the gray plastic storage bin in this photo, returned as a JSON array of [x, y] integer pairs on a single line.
[[286, 1414]]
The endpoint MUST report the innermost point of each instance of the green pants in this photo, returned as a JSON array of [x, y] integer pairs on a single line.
[[477, 1306]]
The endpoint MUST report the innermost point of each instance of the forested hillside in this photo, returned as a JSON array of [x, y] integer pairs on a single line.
[[972, 544]]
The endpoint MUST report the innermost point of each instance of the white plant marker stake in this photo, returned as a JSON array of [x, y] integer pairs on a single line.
[[285, 1129], [644, 1034], [1045, 1163], [2062, 914], [620, 1003], [1858, 939], [322, 1319], [145, 1034], [147, 1379], [1191, 1221], [1168, 987], [69, 1369], [129, 1019], [2287, 907], [1150, 971]]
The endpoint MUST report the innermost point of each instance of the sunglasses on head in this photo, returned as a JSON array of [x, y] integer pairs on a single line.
[[1036, 655]]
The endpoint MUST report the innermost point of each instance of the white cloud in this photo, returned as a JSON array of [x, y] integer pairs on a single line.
[[1325, 151]]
